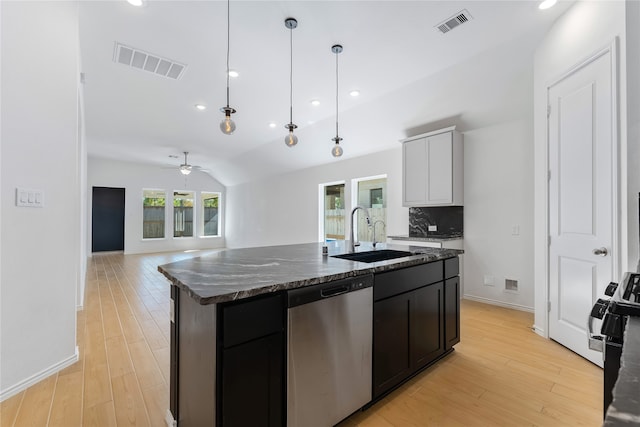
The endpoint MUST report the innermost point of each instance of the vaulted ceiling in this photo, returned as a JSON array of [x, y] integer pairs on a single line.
[[409, 74]]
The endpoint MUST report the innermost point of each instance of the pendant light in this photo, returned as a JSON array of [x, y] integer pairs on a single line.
[[336, 151], [291, 139], [227, 126]]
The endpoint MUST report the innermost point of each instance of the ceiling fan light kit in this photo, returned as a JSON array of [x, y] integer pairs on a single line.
[[227, 126], [290, 140], [185, 168]]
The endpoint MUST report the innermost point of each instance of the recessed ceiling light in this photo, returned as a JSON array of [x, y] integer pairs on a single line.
[[201, 107], [546, 4], [354, 93], [315, 102], [272, 125], [233, 73], [136, 2]]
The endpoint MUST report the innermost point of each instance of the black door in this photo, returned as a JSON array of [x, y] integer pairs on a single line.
[[107, 219]]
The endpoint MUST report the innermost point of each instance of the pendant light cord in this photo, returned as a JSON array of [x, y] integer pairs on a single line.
[[290, 75], [228, 36], [337, 138]]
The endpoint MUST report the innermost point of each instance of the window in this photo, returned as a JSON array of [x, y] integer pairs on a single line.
[[183, 213], [332, 211], [210, 203], [153, 204], [371, 193]]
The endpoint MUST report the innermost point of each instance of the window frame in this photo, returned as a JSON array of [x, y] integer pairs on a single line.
[[321, 207], [201, 223], [164, 225], [193, 214]]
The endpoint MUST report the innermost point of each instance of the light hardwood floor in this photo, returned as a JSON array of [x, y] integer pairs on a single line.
[[501, 373]]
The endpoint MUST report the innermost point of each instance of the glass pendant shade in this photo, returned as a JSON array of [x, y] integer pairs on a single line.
[[291, 139], [185, 169], [227, 126], [337, 151]]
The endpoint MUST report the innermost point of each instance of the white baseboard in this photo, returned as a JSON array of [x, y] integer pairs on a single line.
[[28, 382], [499, 303], [168, 418], [539, 331]]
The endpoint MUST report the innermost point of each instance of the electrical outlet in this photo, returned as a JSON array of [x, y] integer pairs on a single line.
[[515, 230], [488, 280], [433, 228]]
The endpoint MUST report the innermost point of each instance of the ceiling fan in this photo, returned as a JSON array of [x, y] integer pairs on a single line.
[[185, 168]]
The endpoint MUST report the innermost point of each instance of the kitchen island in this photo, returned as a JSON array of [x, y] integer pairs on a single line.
[[229, 328]]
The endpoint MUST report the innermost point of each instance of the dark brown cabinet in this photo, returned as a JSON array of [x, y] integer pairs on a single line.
[[252, 363], [228, 362], [415, 321], [451, 302], [452, 312], [252, 383], [427, 325]]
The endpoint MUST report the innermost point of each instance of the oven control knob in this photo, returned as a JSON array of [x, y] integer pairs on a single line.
[[599, 308], [611, 289]]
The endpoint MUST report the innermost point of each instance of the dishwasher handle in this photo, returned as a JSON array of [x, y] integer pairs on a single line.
[[309, 294], [334, 291]]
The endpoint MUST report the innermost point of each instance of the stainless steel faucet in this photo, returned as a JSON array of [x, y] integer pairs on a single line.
[[352, 241], [374, 231]]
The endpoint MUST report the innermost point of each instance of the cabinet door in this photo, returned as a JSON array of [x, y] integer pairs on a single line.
[[414, 172], [252, 383], [391, 363], [427, 325], [440, 169], [452, 312]]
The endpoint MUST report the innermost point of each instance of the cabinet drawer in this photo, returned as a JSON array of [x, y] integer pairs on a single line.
[[251, 319], [396, 282], [451, 267]]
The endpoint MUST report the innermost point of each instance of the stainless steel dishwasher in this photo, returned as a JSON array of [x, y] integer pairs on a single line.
[[329, 351]]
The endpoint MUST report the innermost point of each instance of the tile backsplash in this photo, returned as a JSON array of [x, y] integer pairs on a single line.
[[447, 219]]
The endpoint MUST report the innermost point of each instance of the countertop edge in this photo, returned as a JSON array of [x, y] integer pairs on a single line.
[[426, 239], [425, 255]]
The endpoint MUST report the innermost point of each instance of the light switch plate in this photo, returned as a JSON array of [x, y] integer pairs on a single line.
[[433, 228], [29, 198]]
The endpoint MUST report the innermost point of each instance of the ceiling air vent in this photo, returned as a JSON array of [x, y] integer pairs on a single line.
[[456, 20], [145, 61]]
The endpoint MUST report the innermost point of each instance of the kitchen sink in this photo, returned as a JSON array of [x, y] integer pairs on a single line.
[[374, 256]]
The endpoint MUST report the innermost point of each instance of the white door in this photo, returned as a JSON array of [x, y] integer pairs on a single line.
[[582, 186]]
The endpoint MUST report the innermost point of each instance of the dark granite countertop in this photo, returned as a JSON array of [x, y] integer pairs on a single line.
[[625, 408], [240, 273], [426, 239]]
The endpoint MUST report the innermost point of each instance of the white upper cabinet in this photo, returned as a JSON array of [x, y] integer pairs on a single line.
[[432, 166]]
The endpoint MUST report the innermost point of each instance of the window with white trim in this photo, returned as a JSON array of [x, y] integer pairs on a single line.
[[153, 213]]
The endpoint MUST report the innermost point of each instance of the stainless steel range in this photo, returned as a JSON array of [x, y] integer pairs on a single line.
[[614, 312]]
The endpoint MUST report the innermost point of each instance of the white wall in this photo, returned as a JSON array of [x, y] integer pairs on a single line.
[[40, 247], [498, 197], [284, 209], [580, 32], [134, 178]]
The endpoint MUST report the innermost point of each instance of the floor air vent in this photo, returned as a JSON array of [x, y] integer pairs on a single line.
[[145, 61], [456, 20]]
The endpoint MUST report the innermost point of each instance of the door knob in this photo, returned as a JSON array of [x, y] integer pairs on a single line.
[[601, 251]]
